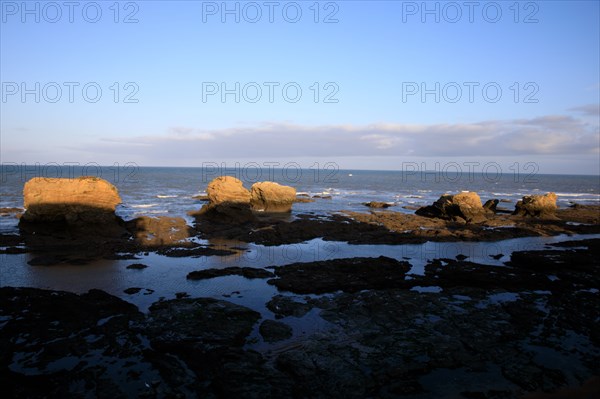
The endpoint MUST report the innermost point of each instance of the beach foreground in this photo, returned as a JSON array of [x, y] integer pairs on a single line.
[[460, 330]]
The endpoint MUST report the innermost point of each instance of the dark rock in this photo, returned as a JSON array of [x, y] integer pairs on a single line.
[[121, 257], [376, 204], [284, 306], [137, 266], [7, 240], [203, 321], [583, 260], [46, 260], [247, 272], [350, 275], [273, 331], [132, 290], [491, 205], [180, 295], [227, 212], [461, 257], [304, 200], [13, 251], [193, 252], [447, 273], [411, 207], [65, 339]]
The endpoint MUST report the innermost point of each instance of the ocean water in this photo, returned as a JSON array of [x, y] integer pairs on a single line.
[[164, 191]]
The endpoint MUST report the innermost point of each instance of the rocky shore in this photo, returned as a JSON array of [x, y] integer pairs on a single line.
[[74, 220], [525, 327], [462, 330]]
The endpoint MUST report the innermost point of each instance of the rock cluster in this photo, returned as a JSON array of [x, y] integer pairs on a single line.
[[377, 204], [227, 189], [543, 206], [272, 197], [464, 207], [80, 200], [230, 201]]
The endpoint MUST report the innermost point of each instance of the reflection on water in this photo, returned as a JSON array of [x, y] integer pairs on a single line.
[[164, 276]]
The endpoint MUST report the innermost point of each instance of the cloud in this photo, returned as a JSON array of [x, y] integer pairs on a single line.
[[544, 135], [589, 109]]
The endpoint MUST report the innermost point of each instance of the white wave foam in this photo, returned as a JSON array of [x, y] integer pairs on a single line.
[[166, 196], [144, 205], [577, 195]]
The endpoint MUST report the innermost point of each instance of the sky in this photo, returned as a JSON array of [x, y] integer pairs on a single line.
[[363, 84]]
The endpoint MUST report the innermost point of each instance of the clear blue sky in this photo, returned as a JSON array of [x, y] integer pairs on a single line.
[[374, 61]]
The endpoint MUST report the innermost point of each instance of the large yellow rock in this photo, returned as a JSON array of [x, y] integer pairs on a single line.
[[70, 200], [543, 206], [462, 207], [272, 197], [227, 189]]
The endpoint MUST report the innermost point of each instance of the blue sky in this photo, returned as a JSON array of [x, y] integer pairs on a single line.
[[370, 60]]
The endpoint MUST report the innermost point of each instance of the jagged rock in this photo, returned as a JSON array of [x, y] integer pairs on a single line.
[[80, 200], [272, 197], [283, 306], [247, 272], [537, 206], [137, 266], [348, 274], [463, 207], [491, 205], [227, 212], [303, 200], [205, 322], [377, 204], [227, 189], [273, 331]]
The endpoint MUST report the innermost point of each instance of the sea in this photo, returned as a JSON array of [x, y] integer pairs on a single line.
[[173, 191]]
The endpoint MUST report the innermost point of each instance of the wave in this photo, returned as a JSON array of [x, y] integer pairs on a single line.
[[507, 194], [144, 205], [577, 195], [167, 196]]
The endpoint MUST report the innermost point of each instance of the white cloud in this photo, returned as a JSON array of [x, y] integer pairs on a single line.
[[555, 135]]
